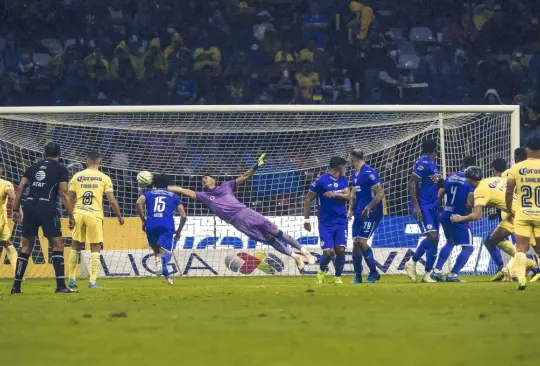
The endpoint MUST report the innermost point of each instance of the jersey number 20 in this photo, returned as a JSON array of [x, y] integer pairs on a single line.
[[527, 194], [159, 204]]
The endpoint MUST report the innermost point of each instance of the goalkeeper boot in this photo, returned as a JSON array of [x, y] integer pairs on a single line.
[[453, 278], [319, 280], [437, 276], [309, 257], [427, 278], [93, 285], [72, 284], [373, 277], [169, 280], [65, 290], [410, 268], [338, 281], [357, 278]]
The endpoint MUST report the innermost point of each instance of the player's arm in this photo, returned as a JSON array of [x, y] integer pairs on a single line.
[[352, 203], [115, 207], [63, 190], [307, 209], [413, 194], [183, 191], [440, 195], [18, 198], [250, 172], [378, 194], [139, 207], [470, 201], [475, 215], [10, 193], [346, 195], [183, 219], [509, 198]]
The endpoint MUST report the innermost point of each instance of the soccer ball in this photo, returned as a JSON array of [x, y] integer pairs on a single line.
[[144, 178]]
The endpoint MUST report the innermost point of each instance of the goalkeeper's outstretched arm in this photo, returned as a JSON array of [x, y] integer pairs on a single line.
[[183, 191], [250, 172]]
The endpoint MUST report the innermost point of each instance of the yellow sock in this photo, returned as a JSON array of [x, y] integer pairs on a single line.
[[530, 264], [73, 260], [520, 267], [12, 256], [94, 267], [507, 247]]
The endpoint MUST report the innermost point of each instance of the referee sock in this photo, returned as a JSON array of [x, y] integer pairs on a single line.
[[370, 260], [443, 255], [12, 256], [339, 264], [22, 263], [95, 266], [422, 248], [73, 260], [59, 271]]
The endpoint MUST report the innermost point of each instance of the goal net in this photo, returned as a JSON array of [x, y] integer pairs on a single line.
[[224, 141]]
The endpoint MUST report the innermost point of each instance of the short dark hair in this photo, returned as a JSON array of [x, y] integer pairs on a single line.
[[520, 154], [358, 153], [468, 161], [474, 173], [161, 180], [533, 141], [337, 161], [93, 155], [499, 165], [52, 150], [429, 146]]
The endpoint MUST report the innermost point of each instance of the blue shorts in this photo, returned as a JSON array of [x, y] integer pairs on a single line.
[[160, 236], [333, 236], [364, 228], [458, 233], [430, 219]]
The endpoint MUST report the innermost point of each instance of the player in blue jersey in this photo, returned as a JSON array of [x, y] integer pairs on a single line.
[[424, 205], [159, 221], [459, 200], [332, 189], [366, 208]]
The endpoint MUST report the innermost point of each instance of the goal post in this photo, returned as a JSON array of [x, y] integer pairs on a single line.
[[189, 142]]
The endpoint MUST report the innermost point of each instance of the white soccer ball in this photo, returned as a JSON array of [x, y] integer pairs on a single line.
[[144, 178]]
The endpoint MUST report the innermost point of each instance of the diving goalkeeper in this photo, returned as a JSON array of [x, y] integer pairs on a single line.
[[222, 201]]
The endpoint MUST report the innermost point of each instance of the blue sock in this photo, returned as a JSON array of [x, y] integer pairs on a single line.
[[165, 259], [496, 256], [424, 244], [370, 260], [357, 262], [339, 263], [462, 258], [324, 261], [431, 256], [444, 254]]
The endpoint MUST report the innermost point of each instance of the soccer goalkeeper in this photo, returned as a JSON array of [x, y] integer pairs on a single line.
[[222, 201]]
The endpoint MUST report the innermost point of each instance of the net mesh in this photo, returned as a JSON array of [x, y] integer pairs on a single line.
[[298, 147]]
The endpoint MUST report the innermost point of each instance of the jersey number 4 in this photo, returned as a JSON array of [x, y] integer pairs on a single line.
[[159, 204], [87, 198], [527, 194]]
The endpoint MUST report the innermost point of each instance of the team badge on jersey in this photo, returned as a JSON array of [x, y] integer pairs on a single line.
[[372, 177], [420, 167]]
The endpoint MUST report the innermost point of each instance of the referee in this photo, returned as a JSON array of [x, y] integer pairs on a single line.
[[47, 179]]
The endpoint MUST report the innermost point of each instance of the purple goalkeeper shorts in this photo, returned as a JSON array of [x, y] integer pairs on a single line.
[[254, 225]]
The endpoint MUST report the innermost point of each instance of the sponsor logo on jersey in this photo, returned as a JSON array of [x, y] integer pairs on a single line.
[[40, 175], [82, 178], [524, 171]]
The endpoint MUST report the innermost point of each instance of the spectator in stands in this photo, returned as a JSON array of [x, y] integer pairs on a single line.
[[282, 82], [337, 87], [96, 60], [315, 25], [308, 53], [362, 21], [117, 19], [206, 55], [306, 81], [177, 54], [389, 75], [78, 85], [27, 66], [104, 90], [41, 87], [142, 21], [6, 92], [153, 88], [183, 86], [506, 82], [534, 65], [375, 97], [62, 63], [209, 85], [285, 53], [154, 56], [124, 60], [10, 54], [492, 97], [236, 85]]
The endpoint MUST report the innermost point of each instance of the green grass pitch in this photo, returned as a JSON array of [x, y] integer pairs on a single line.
[[270, 321]]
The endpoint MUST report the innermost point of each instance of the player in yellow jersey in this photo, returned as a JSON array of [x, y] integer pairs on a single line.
[[491, 192], [86, 190], [525, 180], [6, 193]]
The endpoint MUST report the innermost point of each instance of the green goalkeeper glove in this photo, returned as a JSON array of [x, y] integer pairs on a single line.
[[260, 161]]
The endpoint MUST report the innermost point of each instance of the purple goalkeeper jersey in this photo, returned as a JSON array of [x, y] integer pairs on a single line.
[[222, 201]]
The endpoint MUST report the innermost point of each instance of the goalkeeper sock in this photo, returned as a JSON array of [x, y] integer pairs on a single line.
[[12, 256], [424, 244], [357, 262], [94, 267], [22, 263], [496, 256], [370, 260], [443, 255], [325, 260], [286, 238], [520, 267], [59, 270], [339, 264], [507, 247], [73, 260], [165, 259], [431, 256], [462, 259]]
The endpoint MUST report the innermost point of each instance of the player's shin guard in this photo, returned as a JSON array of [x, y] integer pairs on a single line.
[[94, 267], [462, 259], [357, 262], [422, 248], [443, 255], [370, 260], [12, 256], [339, 264], [59, 271], [520, 267], [22, 263], [431, 256], [165, 259], [73, 260], [507, 247]]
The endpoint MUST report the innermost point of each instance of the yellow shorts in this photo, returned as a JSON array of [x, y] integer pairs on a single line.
[[509, 226], [88, 229], [527, 227], [5, 232]]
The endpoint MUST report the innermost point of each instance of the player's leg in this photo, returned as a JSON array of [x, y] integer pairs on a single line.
[[496, 256], [30, 231], [78, 236], [285, 238], [448, 228], [536, 246], [165, 242], [429, 225], [523, 231], [340, 241], [11, 252], [462, 236], [94, 236], [357, 256], [327, 245], [368, 228], [497, 236]]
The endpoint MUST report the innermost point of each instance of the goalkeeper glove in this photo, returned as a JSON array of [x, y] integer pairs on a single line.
[[260, 162]]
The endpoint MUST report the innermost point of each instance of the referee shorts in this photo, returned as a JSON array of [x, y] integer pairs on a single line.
[[88, 229], [41, 216]]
